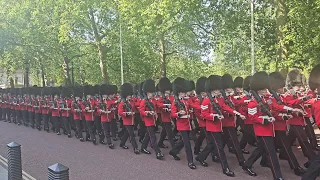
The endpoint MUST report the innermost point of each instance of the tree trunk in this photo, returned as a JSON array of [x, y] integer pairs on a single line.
[[281, 20], [101, 50], [66, 70], [42, 76], [27, 72], [162, 52]]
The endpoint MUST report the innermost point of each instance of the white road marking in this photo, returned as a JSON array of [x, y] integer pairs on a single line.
[[25, 175]]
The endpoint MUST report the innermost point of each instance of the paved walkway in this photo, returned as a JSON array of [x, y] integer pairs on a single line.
[[3, 173]]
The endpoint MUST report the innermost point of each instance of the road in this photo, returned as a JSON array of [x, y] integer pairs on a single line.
[[86, 161]]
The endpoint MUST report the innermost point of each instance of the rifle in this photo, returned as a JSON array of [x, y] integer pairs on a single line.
[[215, 106], [264, 107], [226, 99]]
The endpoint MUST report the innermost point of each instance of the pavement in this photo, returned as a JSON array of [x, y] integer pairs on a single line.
[[86, 161], [3, 173]]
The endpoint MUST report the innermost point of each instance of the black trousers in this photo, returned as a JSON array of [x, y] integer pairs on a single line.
[[200, 139], [13, 115], [214, 144], [282, 140], [31, 118], [266, 145], [37, 117], [114, 128], [230, 135], [166, 131], [142, 128], [56, 121], [98, 127], [18, 116], [150, 137], [310, 133], [248, 136], [314, 169], [107, 131], [25, 117], [4, 113], [45, 121], [185, 142], [66, 124], [129, 133], [298, 132], [90, 130], [78, 128]]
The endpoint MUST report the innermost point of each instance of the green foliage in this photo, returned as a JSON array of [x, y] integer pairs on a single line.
[[58, 38]]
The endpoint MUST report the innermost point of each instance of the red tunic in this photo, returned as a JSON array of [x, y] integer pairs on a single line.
[[183, 122], [67, 111], [89, 113], [316, 110], [148, 120], [291, 101], [76, 111], [165, 109], [127, 119]]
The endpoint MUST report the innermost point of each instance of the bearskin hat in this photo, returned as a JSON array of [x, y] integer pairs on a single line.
[[149, 86], [276, 80], [96, 89], [314, 79], [213, 83], [56, 91], [190, 85], [165, 85], [200, 85], [294, 78], [227, 81], [87, 90], [46, 91], [66, 91], [260, 81], [77, 91], [238, 82], [104, 89], [126, 89], [157, 87], [179, 85], [246, 83], [114, 89]]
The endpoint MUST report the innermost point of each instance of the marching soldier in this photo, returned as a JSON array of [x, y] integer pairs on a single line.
[[201, 94], [45, 108], [164, 104], [55, 110], [282, 113], [126, 110], [180, 110], [88, 109], [314, 82], [149, 116], [77, 112], [65, 109], [259, 112]]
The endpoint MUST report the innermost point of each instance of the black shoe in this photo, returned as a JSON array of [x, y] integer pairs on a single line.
[[81, 139], [94, 141], [163, 146], [15, 122], [111, 146], [124, 147], [282, 157], [88, 139], [232, 151], [159, 155], [245, 151], [174, 156], [145, 151], [203, 163], [141, 140], [115, 139], [242, 163], [136, 151], [299, 171], [19, 124], [32, 126], [192, 166], [306, 165], [249, 171], [9, 121], [215, 159], [228, 172], [265, 165], [58, 133], [102, 142], [69, 136], [39, 128], [196, 152], [279, 179]]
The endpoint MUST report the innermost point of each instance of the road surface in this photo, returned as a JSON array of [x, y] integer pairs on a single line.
[[86, 161]]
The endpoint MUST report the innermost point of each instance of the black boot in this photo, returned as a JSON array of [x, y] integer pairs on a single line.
[[192, 166], [124, 147], [174, 156], [249, 171], [162, 146], [203, 163], [215, 159], [299, 171], [228, 172], [159, 155], [145, 151], [81, 139], [111, 146], [136, 151]]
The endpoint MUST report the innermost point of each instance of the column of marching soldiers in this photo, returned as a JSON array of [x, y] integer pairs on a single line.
[[270, 113]]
